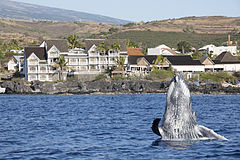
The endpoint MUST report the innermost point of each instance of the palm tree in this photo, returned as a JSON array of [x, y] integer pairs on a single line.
[[101, 47], [120, 62], [72, 40], [62, 65], [116, 46], [159, 61]]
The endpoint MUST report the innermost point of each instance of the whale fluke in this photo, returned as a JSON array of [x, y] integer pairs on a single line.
[[179, 120], [155, 128]]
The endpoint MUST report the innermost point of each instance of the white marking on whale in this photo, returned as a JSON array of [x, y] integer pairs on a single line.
[[179, 120]]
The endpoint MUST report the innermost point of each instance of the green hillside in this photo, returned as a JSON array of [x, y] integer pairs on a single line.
[[154, 38]]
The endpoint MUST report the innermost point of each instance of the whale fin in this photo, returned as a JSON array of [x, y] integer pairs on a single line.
[[155, 128], [209, 133]]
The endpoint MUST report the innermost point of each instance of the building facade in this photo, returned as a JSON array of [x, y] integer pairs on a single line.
[[41, 62]]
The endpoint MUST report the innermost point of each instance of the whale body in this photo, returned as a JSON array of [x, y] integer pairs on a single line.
[[179, 120]]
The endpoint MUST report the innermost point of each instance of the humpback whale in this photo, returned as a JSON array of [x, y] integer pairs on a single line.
[[179, 120]]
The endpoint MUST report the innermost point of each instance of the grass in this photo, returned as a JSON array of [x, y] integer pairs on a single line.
[[100, 76], [160, 75], [217, 77], [155, 38]]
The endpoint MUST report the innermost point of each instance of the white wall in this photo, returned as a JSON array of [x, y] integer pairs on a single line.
[[188, 68]]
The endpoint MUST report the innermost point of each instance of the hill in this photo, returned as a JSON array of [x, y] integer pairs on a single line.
[[25, 11], [197, 30], [155, 38], [210, 25]]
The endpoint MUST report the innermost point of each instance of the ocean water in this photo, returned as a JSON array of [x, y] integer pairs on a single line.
[[39, 127]]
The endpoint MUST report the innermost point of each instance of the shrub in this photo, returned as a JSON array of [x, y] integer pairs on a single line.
[[160, 75], [100, 76], [217, 77]]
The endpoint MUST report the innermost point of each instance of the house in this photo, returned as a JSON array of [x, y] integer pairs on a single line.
[[142, 65], [36, 66], [17, 51], [134, 51], [40, 62], [212, 49], [16, 63], [208, 64], [227, 62], [102, 60], [223, 62], [185, 63], [161, 50]]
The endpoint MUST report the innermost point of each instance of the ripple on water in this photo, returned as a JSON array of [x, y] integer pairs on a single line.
[[110, 127]]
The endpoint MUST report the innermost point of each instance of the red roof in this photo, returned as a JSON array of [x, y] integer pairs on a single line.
[[134, 51]]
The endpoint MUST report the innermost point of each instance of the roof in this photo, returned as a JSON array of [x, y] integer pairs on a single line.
[[118, 70], [202, 59], [173, 59], [18, 58], [182, 60], [227, 58], [169, 50], [90, 42], [134, 51], [133, 59], [61, 45], [40, 52]]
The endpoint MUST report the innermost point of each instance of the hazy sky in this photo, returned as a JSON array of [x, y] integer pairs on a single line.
[[147, 10]]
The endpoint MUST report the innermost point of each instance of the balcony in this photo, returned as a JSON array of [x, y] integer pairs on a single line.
[[72, 63], [113, 55], [93, 62], [103, 62], [32, 71], [93, 55]]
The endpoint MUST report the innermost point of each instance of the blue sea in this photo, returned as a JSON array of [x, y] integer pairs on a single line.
[[114, 127]]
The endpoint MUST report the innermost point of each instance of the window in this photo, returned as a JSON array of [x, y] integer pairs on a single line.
[[43, 68], [83, 68], [83, 60], [93, 67], [73, 60], [32, 61], [32, 68]]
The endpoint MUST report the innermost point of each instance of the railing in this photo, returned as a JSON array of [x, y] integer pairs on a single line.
[[73, 63], [103, 62], [93, 62], [93, 54], [113, 55], [32, 63], [32, 71], [42, 71]]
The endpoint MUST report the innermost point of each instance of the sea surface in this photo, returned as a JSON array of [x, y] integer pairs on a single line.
[[72, 127]]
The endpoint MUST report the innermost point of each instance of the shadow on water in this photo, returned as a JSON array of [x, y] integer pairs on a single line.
[[175, 145]]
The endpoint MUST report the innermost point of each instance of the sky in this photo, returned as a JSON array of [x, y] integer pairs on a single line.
[[147, 10]]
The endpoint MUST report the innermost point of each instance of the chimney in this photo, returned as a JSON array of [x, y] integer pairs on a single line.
[[229, 43]]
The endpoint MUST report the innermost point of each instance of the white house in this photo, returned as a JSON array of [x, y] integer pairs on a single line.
[[142, 65], [218, 50], [16, 63], [224, 62], [40, 62], [161, 50]]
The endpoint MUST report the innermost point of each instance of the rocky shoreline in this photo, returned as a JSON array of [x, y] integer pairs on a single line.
[[109, 87]]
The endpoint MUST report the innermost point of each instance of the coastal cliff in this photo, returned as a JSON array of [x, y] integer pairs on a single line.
[[109, 87]]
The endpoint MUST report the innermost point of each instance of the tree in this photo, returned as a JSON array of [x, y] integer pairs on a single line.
[[120, 62], [197, 55], [184, 47], [62, 65], [159, 61], [116, 46], [131, 44], [102, 47], [73, 40]]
